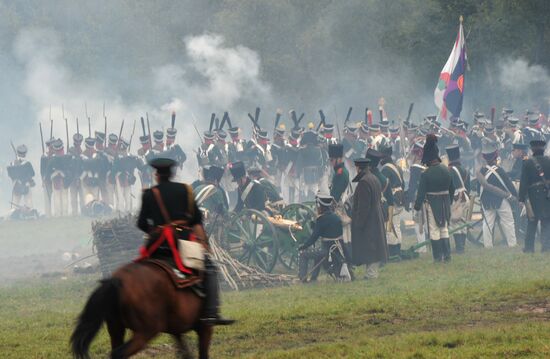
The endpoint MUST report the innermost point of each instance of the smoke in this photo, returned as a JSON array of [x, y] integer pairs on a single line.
[[524, 83], [215, 76]]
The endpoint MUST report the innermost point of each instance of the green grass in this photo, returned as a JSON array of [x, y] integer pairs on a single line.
[[485, 304]]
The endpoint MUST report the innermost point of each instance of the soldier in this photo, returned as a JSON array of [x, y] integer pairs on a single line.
[[21, 173], [273, 197], [111, 152], [349, 142], [387, 196], [46, 180], [496, 195], [103, 167], [123, 170], [90, 171], [397, 187], [291, 172], [340, 190], [368, 235], [310, 164], [250, 193], [278, 152], [158, 139], [204, 153], [76, 191], [236, 145], [173, 150], [434, 196], [59, 168], [176, 204], [519, 154], [328, 229], [145, 172], [534, 193], [416, 170], [211, 198], [461, 202], [112, 142]]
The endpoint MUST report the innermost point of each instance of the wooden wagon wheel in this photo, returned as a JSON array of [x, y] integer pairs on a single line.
[[252, 239], [288, 250]]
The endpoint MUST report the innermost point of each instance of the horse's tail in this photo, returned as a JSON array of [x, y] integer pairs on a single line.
[[102, 304]]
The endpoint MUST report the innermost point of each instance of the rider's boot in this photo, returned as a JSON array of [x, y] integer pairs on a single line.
[[211, 315]]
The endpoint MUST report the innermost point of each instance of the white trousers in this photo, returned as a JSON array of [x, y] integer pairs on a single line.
[[76, 193], [395, 238], [60, 202], [124, 198], [435, 231], [506, 219]]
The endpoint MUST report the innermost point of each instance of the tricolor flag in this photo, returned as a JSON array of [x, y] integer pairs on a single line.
[[449, 91]]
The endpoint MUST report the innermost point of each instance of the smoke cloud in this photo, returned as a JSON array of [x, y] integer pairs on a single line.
[[524, 82]]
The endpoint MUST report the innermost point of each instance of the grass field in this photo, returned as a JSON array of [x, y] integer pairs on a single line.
[[485, 304]]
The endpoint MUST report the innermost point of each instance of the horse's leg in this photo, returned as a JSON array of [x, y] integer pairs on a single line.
[[131, 347], [205, 335], [182, 348], [116, 332]]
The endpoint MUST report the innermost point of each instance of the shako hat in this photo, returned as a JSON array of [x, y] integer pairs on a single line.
[[158, 136], [144, 140], [453, 152], [21, 150], [89, 142], [324, 200], [237, 170], [78, 138], [520, 146], [335, 150], [99, 136]]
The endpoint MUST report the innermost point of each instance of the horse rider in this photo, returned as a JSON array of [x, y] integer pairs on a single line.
[[174, 201]]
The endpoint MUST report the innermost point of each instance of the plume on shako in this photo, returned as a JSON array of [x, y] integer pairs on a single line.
[[431, 151]]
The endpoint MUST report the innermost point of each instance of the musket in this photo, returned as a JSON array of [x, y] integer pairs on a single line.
[[322, 122], [493, 116], [89, 120], [224, 119], [13, 148], [77, 127], [41, 137], [173, 121], [119, 134], [197, 131], [149, 130], [67, 132], [143, 126], [212, 120], [51, 122], [411, 106], [348, 115], [131, 136], [277, 118], [105, 119]]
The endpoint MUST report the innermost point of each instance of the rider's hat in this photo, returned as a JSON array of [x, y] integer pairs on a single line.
[[162, 165]]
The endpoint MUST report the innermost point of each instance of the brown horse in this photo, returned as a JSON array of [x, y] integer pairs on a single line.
[[141, 298]]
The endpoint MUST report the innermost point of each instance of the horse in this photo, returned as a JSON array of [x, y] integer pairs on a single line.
[[141, 298]]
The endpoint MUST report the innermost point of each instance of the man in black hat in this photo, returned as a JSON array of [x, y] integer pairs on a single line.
[[396, 184], [519, 154], [340, 190], [328, 229], [123, 172], [273, 197], [173, 150], [59, 168], [158, 139], [461, 202], [173, 203], [415, 172], [368, 235], [21, 173], [103, 167], [45, 176], [434, 196], [90, 171], [497, 195], [250, 193], [387, 200], [534, 192], [290, 174], [145, 171]]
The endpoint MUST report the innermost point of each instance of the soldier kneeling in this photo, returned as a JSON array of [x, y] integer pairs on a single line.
[[328, 228]]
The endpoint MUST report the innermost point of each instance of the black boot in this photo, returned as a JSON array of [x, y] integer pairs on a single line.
[[436, 250], [460, 241], [445, 249], [211, 315]]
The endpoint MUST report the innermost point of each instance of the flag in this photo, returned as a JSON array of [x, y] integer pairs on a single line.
[[449, 92]]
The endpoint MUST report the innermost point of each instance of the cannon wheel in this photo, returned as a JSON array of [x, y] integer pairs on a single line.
[[288, 251], [253, 240]]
